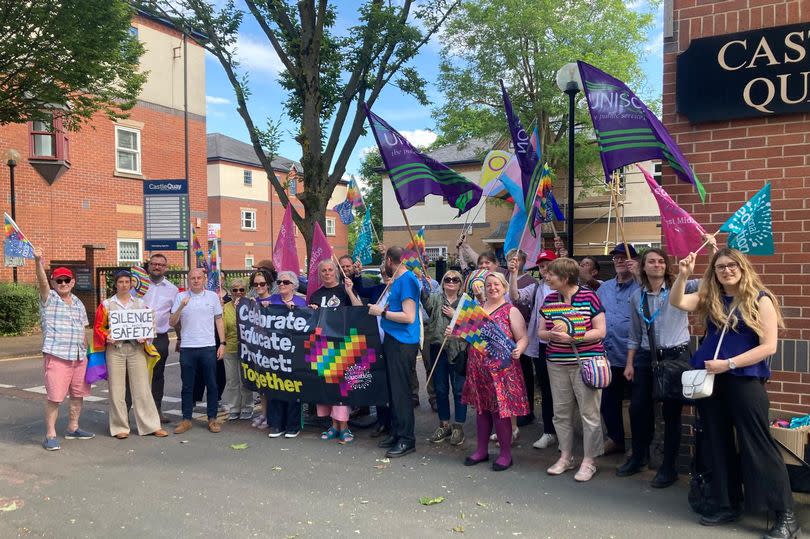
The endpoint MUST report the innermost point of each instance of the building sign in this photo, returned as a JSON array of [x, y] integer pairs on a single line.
[[166, 215], [84, 282], [744, 75]]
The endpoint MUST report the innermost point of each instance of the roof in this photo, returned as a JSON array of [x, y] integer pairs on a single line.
[[192, 32], [224, 148], [469, 151]]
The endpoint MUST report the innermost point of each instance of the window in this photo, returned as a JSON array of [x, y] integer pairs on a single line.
[[47, 140], [248, 261], [657, 173], [330, 226], [433, 253], [247, 176], [292, 185], [248, 219], [129, 252], [133, 31], [127, 150]]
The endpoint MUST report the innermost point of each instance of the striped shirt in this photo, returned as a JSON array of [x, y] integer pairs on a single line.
[[63, 327], [587, 303]]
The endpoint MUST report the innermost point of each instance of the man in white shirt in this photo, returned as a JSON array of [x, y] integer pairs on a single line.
[[198, 312], [160, 298]]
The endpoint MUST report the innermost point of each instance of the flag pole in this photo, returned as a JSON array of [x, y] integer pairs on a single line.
[[413, 239], [436, 361], [619, 220], [607, 230], [705, 243]]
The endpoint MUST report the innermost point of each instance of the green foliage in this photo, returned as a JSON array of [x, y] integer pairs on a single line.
[[76, 57], [525, 42], [19, 308]]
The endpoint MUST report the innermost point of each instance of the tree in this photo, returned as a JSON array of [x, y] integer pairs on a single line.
[[525, 42], [68, 58], [328, 74]]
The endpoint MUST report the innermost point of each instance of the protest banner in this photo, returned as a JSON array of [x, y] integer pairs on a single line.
[[328, 355], [132, 324]]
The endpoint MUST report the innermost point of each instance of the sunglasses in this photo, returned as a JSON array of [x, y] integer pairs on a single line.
[[256, 285], [63, 280], [237, 289], [451, 280], [281, 282]]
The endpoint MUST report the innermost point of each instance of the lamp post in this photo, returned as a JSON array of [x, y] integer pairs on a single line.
[[569, 82], [12, 156]]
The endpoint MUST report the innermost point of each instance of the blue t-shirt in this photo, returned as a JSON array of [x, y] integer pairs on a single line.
[[406, 286]]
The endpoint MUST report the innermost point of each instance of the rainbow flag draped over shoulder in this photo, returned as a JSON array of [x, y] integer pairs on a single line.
[[471, 323], [97, 350]]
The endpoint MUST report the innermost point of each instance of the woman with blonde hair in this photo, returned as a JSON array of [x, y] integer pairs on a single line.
[[742, 319]]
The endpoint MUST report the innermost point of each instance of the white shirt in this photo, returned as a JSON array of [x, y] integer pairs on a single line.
[[197, 318], [160, 298]]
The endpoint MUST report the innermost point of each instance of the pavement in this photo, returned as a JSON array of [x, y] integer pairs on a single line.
[[21, 346], [197, 485]]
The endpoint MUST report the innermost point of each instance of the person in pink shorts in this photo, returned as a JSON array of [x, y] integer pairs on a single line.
[[64, 349]]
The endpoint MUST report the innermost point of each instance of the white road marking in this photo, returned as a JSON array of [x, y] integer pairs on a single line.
[[93, 398], [172, 364], [38, 389], [6, 386], [173, 412], [171, 399]]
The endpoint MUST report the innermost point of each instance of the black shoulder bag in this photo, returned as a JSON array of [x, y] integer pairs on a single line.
[[666, 371]]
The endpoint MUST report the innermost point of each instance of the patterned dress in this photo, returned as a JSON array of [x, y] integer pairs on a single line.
[[490, 388]]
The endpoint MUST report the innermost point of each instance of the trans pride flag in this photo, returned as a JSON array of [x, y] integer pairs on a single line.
[[471, 323]]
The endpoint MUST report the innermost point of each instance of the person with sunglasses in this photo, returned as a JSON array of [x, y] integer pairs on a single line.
[[238, 400], [261, 283], [450, 369], [64, 350], [283, 416]]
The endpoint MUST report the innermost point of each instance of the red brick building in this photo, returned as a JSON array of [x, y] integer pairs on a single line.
[[749, 124], [76, 189], [248, 208]]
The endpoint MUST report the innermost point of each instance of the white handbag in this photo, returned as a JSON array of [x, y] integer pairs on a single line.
[[699, 383]]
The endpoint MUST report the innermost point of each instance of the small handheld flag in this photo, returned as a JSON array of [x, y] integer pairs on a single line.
[[750, 229], [473, 324], [16, 245]]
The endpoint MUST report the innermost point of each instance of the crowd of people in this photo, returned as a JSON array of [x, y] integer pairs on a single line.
[[636, 321]]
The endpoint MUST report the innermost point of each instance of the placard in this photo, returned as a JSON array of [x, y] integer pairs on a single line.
[[131, 324]]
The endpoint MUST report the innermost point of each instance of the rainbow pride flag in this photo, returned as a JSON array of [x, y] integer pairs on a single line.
[[97, 349], [353, 194], [471, 323]]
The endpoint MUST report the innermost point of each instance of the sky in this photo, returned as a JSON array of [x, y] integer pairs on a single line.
[[403, 112]]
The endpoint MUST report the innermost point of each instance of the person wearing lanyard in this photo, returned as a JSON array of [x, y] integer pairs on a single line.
[[615, 297], [160, 297], [670, 328]]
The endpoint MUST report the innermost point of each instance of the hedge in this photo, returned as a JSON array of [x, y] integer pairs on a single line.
[[19, 308]]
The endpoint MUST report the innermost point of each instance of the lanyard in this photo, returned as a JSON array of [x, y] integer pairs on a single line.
[[663, 295]]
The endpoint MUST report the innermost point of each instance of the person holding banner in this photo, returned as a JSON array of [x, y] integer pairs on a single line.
[[742, 319], [450, 370], [400, 322], [238, 400], [126, 361], [567, 387], [284, 417], [497, 393], [64, 350], [262, 281]]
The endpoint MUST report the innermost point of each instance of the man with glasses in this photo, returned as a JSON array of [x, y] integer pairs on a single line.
[[615, 297], [199, 313], [160, 298], [64, 349]]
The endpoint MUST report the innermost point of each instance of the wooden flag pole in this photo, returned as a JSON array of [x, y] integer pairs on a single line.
[[436, 360], [705, 243], [619, 221], [607, 230]]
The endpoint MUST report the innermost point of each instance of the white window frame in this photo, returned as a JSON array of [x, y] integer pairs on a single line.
[[433, 252], [136, 152], [247, 177], [249, 261], [122, 261], [330, 221], [243, 214]]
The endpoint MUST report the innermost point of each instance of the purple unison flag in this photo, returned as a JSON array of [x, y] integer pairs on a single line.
[[415, 175], [626, 130], [525, 152]]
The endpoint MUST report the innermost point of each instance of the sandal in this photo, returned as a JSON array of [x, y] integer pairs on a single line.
[[330, 434], [346, 437]]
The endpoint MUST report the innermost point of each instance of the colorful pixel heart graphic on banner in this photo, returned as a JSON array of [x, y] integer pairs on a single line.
[[574, 321], [334, 359]]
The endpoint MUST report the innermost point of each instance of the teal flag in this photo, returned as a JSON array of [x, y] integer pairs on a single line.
[[362, 247], [750, 229]]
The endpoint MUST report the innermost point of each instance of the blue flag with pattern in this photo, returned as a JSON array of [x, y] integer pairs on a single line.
[[362, 247], [750, 229], [344, 211]]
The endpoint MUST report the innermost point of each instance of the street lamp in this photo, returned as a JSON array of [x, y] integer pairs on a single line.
[[569, 81], [12, 156]]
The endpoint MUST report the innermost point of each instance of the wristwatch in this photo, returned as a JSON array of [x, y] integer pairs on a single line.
[[385, 310], [731, 364], [223, 343]]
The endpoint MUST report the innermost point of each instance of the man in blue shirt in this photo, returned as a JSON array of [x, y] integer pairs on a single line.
[[615, 297], [400, 323]]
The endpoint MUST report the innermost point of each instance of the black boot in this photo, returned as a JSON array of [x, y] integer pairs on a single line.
[[632, 467], [785, 527]]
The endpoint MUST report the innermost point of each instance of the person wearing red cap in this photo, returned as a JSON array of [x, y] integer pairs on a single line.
[[64, 350]]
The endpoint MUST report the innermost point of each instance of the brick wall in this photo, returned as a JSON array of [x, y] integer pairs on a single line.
[[85, 204], [734, 159]]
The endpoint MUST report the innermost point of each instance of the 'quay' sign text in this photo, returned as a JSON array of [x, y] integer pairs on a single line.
[[747, 74]]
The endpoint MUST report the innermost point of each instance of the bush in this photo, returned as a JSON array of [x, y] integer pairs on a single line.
[[19, 308]]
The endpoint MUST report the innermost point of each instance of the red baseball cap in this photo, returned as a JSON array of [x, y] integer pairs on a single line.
[[546, 255], [61, 272]]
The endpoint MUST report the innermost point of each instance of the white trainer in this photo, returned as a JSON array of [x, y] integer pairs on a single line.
[[545, 441]]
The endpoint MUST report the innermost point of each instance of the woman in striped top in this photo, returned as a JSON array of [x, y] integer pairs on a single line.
[[567, 387]]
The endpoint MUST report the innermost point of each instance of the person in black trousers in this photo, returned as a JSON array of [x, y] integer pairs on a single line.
[[742, 320]]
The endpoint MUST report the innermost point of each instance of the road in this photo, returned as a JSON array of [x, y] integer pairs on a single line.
[[196, 485]]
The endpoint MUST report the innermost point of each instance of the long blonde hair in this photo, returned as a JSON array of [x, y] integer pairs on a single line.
[[710, 303]]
